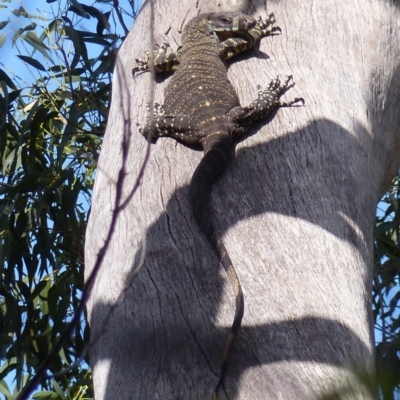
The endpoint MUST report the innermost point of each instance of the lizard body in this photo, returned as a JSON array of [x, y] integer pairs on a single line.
[[201, 107]]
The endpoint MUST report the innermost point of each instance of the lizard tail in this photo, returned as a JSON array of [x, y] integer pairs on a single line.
[[217, 158]]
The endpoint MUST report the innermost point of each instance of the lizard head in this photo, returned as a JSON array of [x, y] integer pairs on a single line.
[[222, 24]]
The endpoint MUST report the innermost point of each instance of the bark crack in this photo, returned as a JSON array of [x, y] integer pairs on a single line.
[[300, 335], [194, 337], [159, 304]]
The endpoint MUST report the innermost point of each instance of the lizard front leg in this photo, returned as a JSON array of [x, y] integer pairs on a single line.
[[232, 46], [181, 127], [247, 40], [268, 100], [163, 61]]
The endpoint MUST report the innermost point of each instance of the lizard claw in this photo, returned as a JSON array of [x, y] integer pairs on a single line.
[[278, 88], [282, 88], [268, 27]]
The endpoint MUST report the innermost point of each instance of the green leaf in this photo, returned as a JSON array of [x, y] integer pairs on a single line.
[[3, 384], [78, 9], [16, 35], [32, 26], [32, 39], [56, 68], [31, 61], [74, 37], [41, 286], [21, 12], [4, 100], [21, 223], [24, 289], [45, 395], [20, 31], [29, 183], [4, 77], [3, 24], [14, 95], [58, 389]]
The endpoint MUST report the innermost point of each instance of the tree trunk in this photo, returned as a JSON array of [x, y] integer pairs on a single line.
[[296, 211]]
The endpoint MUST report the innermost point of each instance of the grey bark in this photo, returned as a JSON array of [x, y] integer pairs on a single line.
[[296, 211]]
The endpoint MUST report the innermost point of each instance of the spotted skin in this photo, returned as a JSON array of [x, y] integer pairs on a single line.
[[201, 107]]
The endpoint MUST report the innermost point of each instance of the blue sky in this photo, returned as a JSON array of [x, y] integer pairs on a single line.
[[41, 12]]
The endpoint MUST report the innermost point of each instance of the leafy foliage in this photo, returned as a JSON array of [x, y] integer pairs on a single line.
[[50, 136], [386, 291]]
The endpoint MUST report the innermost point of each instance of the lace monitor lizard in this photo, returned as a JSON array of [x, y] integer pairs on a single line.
[[201, 107]]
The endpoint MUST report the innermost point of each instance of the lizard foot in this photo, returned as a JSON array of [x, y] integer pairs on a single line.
[[268, 27], [143, 64], [279, 88]]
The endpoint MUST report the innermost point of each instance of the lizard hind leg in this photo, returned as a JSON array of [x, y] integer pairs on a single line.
[[267, 102], [153, 115], [179, 126]]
